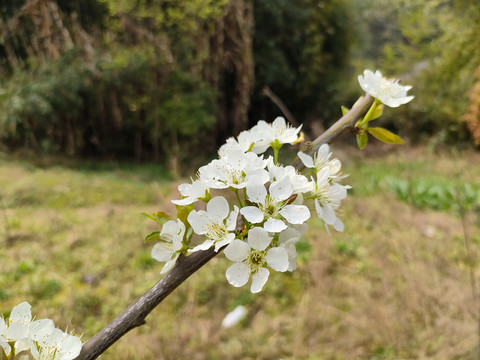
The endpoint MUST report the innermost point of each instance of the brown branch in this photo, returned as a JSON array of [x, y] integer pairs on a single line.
[[345, 124], [135, 315], [276, 100]]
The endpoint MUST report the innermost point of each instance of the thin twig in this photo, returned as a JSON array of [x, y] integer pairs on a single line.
[[135, 315], [277, 101]]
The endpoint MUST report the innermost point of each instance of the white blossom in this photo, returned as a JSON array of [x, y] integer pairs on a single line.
[[217, 223], [389, 92], [269, 134], [39, 339], [191, 192], [300, 183], [273, 205], [167, 251], [244, 143], [251, 258], [233, 170], [320, 160]]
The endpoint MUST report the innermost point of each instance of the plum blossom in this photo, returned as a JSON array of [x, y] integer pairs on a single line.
[[273, 204], [23, 331], [327, 199], [57, 345], [244, 142], [168, 250], [252, 257], [274, 134], [234, 170], [320, 160], [39, 339], [389, 92], [300, 183], [217, 223], [191, 192]]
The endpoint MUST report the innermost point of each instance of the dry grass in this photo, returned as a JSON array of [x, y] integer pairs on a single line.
[[395, 285]]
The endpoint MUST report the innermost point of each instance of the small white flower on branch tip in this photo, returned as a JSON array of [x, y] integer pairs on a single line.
[[167, 251], [217, 223], [389, 92], [191, 192], [272, 205], [234, 170], [234, 317], [251, 257]]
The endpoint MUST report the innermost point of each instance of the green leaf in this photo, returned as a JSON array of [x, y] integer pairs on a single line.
[[362, 139], [345, 110], [155, 235], [159, 217], [377, 112], [385, 136]]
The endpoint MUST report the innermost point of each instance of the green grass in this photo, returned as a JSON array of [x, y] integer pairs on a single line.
[[394, 285]]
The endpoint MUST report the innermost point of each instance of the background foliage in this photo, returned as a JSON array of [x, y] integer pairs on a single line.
[[142, 79]]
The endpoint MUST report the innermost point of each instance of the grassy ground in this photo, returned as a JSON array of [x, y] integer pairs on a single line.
[[395, 285]]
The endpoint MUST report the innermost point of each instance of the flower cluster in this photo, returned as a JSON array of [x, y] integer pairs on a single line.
[[20, 337], [264, 207], [262, 211]]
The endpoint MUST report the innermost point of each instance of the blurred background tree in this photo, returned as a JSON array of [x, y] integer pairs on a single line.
[[143, 79]]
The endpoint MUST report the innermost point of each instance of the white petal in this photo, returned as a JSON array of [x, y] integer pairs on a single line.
[[328, 215], [228, 239], [162, 251], [17, 331], [232, 219], [339, 226], [21, 313], [172, 230], [252, 214], [282, 189], [199, 221], [237, 251], [6, 347], [238, 274], [40, 329], [256, 191], [274, 225], [218, 209], [259, 279], [207, 244], [277, 259], [307, 160], [27, 345], [234, 317], [169, 264], [258, 238], [295, 214], [71, 347]]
